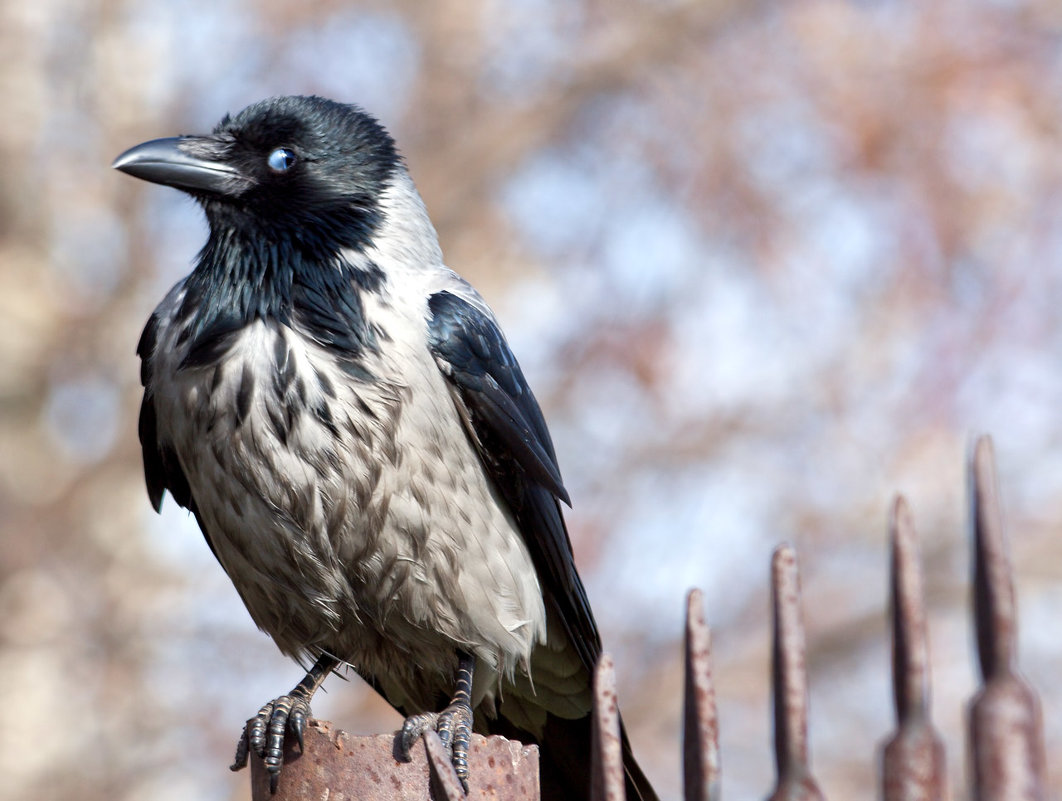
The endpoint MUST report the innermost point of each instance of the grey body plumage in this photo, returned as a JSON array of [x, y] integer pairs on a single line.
[[343, 416], [350, 512]]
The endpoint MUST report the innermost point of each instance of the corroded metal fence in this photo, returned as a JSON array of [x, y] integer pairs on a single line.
[[1005, 726]]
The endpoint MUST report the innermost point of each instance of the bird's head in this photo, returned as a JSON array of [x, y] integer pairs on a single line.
[[303, 170]]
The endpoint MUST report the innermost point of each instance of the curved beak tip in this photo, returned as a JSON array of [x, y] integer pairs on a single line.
[[163, 161], [121, 161]]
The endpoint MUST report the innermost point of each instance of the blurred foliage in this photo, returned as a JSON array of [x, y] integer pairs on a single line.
[[764, 264]]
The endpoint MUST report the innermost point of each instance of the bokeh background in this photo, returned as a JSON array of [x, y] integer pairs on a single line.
[[765, 264]]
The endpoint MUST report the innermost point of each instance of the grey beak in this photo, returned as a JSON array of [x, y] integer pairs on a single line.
[[168, 162]]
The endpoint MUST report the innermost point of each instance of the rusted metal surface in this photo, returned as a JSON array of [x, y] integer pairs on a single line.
[[912, 766], [338, 766], [789, 683], [606, 778], [700, 733], [1006, 728], [445, 783]]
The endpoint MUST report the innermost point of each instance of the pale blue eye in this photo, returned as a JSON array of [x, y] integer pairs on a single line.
[[281, 159]]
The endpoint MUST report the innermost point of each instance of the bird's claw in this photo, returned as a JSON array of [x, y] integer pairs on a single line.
[[454, 727], [264, 733], [412, 728]]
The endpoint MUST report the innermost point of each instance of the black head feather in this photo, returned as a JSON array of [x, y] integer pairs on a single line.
[[338, 161], [292, 190]]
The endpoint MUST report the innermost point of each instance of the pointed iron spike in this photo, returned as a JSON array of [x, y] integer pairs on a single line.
[[789, 666], [606, 776], [996, 616], [1006, 722], [789, 683], [912, 762], [910, 658], [700, 734]]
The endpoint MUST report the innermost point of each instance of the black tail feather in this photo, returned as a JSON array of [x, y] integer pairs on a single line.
[[565, 756]]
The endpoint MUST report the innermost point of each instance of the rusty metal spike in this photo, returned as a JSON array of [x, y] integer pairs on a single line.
[[700, 734], [1006, 724], [442, 770], [606, 776], [996, 615], [913, 764], [789, 684]]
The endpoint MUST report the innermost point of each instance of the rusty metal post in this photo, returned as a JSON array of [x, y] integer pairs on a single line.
[[700, 733], [606, 769], [912, 765], [1006, 726], [337, 765], [790, 684], [445, 783]]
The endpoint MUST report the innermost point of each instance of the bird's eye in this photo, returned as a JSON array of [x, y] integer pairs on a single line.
[[281, 159]]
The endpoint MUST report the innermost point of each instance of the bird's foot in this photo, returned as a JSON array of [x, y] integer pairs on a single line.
[[264, 733], [454, 726]]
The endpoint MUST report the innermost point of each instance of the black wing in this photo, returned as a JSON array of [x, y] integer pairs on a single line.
[[506, 425], [162, 469]]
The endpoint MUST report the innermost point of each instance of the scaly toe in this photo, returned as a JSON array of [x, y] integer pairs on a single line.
[[412, 728], [264, 734], [454, 725], [455, 730]]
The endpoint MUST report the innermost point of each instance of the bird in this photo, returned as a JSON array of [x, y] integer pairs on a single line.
[[343, 416]]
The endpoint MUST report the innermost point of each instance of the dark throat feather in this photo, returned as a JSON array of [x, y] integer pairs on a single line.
[[312, 289]]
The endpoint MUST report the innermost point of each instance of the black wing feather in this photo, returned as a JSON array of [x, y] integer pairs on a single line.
[[162, 469], [510, 435]]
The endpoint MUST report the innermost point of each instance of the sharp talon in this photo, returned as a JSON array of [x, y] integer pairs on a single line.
[[242, 751], [297, 724]]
